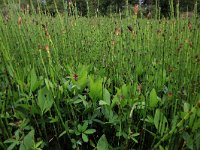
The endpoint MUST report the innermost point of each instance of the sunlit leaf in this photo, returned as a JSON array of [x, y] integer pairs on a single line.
[[106, 96], [90, 131], [102, 143], [96, 88], [153, 99]]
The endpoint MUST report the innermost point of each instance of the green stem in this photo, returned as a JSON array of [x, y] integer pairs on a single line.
[[174, 130]]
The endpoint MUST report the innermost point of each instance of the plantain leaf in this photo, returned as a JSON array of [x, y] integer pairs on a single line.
[[28, 141], [102, 143], [33, 79], [106, 96], [153, 99], [45, 100], [96, 88]]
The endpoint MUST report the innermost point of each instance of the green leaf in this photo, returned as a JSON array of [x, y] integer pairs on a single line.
[[174, 121], [135, 140], [39, 143], [33, 80], [139, 69], [10, 141], [115, 101], [49, 84], [186, 107], [198, 112], [192, 120], [102, 143], [196, 125], [153, 99], [160, 122], [79, 128], [82, 79], [77, 101], [53, 120], [85, 137], [101, 103], [149, 119], [12, 146], [161, 148], [125, 90], [106, 96], [135, 134], [45, 100], [77, 132], [157, 118], [90, 131], [96, 88], [85, 126], [92, 144], [28, 141], [61, 134]]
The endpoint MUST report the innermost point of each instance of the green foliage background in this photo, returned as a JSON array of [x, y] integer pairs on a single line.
[[102, 7]]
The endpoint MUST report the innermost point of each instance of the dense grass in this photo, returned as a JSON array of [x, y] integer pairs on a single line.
[[135, 80]]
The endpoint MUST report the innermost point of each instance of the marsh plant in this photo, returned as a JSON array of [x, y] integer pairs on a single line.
[[70, 82]]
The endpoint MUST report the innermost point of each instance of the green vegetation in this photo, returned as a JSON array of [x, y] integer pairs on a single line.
[[118, 82], [103, 7]]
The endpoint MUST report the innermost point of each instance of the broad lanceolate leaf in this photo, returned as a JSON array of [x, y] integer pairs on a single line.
[[102, 143], [12, 146], [33, 80], [153, 99], [82, 77], [45, 100], [28, 141], [96, 88], [106, 96]]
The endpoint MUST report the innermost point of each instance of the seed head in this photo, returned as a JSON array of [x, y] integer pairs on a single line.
[[117, 31], [139, 88], [47, 48], [197, 59], [149, 15], [169, 94], [198, 103], [189, 25], [113, 42], [75, 76], [46, 33], [28, 7], [130, 28], [40, 46], [19, 21], [136, 9]]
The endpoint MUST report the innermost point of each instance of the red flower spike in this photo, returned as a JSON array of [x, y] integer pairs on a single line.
[[169, 94], [75, 76]]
